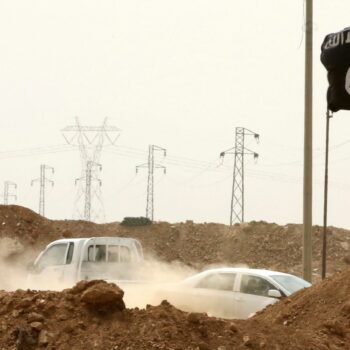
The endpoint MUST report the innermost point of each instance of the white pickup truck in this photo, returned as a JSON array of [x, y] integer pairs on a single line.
[[66, 261]]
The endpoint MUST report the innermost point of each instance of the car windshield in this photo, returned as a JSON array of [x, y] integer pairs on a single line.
[[291, 283]]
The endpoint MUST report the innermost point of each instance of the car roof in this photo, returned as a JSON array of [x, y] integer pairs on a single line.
[[65, 240], [261, 272]]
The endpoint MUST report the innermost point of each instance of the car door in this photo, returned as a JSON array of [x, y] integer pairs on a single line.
[[70, 267], [253, 295], [50, 266], [214, 295]]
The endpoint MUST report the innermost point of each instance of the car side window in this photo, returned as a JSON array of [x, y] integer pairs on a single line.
[[113, 253], [255, 285], [218, 281], [97, 253]]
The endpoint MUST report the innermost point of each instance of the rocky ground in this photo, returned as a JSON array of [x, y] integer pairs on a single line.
[[92, 315]]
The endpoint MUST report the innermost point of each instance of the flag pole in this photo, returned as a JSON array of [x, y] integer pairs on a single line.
[[325, 203], [307, 205]]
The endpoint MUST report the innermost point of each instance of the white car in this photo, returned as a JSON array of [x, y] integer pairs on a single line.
[[232, 292]]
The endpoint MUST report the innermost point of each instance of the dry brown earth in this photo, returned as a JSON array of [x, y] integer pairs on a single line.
[[257, 244], [313, 319], [92, 315]]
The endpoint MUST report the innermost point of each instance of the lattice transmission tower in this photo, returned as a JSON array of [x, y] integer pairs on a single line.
[[90, 140], [7, 191], [43, 180], [89, 179], [239, 151], [151, 165]]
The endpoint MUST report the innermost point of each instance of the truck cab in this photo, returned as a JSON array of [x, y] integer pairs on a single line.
[[66, 261]]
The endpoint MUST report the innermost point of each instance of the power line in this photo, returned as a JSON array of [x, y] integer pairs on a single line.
[[217, 168], [35, 151], [126, 151], [136, 153], [213, 183]]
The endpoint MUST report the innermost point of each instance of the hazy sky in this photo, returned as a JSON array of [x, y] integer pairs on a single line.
[[179, 74]]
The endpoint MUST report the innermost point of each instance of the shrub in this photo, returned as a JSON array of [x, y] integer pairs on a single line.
[[136, 221]]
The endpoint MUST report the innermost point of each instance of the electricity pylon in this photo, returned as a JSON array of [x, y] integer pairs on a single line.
[[151, 166], [42, 182], [7, 194], [90, 140], [239, 151], [88, 179]]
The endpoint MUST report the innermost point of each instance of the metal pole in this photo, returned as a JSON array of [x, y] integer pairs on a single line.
[[87, 209], [233, 189], [42, 191], [6, 193], [325, 207], [152, 184], [149, 204], [243, 150], [307, 210]]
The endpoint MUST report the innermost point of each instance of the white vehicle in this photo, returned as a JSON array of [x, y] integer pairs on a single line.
[[67, 261], [232, 292]]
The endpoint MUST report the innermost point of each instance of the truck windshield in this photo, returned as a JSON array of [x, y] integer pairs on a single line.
[[55, 255], [291, 283]]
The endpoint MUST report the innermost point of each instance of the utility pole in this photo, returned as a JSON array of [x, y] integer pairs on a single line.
[[307, 207], [239, 151], [151, 166], [42, 182], [7, 194], [89, 178], [90, 140]]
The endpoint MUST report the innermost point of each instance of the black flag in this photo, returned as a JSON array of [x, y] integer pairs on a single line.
[[335, 56]]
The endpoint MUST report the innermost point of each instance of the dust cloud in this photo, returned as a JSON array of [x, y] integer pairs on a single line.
[[141, 282], [162, 281], [154, 279], [12, 275], [148, 282]]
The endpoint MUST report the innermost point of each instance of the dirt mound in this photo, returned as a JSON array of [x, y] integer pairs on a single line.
[[315, 319], [256, 244], [322, 313], [64, 320], [100, 295]]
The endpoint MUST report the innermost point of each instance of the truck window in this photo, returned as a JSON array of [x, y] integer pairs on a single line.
[[116, 253], [55, 255], [97, 253], [125, 255], [113, 253], [70, 253]]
